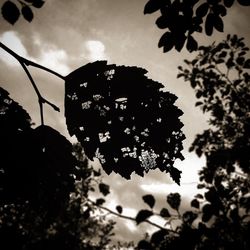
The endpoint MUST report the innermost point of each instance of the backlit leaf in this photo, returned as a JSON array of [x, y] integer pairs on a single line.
[[10, 12], [143, 215], [124, 119], [27, 13], [149, 199]]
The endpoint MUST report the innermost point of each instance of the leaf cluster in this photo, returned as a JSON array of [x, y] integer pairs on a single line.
[[11, 11], [183, 19], [44, 187]]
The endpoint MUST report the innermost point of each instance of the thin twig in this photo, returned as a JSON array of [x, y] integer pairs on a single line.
[[28, 62], [128, 217], [24, 63]]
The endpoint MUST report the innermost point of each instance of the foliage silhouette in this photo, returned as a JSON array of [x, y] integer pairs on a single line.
[[219, 219], [11, 10], [183, 19], [44, 187], [124, 119]]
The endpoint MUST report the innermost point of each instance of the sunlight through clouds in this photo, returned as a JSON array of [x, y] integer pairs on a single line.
[[50, 56], [11, 39], [95, 50]]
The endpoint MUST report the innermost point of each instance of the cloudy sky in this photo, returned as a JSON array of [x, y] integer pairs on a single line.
[[65, 35]]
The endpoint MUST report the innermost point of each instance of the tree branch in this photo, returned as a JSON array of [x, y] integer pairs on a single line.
[[128, 217], [24, 63], [28, 62]]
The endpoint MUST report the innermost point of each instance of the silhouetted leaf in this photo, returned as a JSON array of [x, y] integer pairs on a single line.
[[99, 201], [119, 209], [104, 189], [124, 119], [192, 44], [244, 2], [174, 200], [202, 10], [219, 9], [218, 23], [38, 3], [175, 173], [165, 213], [162, 22], [199, 196], [154, 5], [195, 203], [211, 195], [149, 199], [240, 60], [198, 104], [166, 41], [228, 3], [189, 217], [209, 24], [143, 215], [144, 245], [179, 41], [158, 236], [207, 213], [27, 13], [10, 12], [247, 64]]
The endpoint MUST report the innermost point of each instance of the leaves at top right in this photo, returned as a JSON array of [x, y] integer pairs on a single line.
[[182, 19]]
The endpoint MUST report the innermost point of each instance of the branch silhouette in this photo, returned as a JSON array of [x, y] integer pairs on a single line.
[[129, 217], [24, 63]]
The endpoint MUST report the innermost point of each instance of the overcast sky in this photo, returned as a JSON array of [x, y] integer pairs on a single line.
[[65, 35]]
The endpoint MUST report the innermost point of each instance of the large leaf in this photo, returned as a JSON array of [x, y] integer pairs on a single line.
[[124, 119]]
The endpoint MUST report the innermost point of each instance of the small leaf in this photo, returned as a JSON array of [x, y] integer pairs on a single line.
[[228, 3], [166, 40], [247, 64], [175, 174], [144, 245], [199, 196], [244, 2], [218, 23], [195, 203], [10, 12], [158, 236], [99, 201], [192, 44], [154, 5], [162, 22], [207, 213], [202, 10], [119, 209], [240, 60], [104, 189], [189, 217], [143, 215], [38, 3], [209, 23], [149, 199], [165, 213], [27, 13], [198, 104], [174, 200]]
